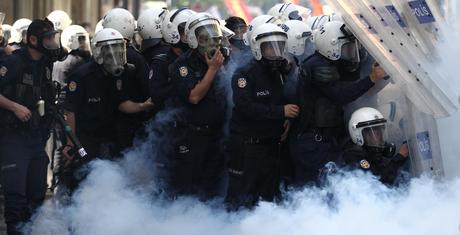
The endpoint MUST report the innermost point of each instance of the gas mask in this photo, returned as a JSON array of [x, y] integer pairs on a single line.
[[114, 58], [237, 39], [209, 40], [375, 141], [49, 43]]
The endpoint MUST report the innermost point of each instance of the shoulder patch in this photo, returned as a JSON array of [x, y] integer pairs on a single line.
[[72, 86], [183, 71], [3, 71], [242, 82], [364, 164]]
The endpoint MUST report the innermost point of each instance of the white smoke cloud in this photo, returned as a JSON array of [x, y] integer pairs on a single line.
[[354, 203]]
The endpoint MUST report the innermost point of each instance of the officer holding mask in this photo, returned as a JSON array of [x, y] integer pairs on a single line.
[[197, 164], [26, 101]]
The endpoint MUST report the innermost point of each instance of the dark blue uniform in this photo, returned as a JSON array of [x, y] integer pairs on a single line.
[[160, 85], [324, 87], [384, 165], [197, 163], [255, 131], [22, 144], [94, 97], [158, 49], [135, 87]]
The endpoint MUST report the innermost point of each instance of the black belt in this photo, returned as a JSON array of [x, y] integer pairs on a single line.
[[318, 135], [258, 140], [196, 127]]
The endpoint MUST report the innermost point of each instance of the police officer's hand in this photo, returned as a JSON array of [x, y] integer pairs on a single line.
[[404, 150], [216, 61], [22, 113], [291, 111], [67, 157], [377, 73], [148, 105]]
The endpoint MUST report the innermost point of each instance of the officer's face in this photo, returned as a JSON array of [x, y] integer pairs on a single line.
[[374, 136], [272, 50]]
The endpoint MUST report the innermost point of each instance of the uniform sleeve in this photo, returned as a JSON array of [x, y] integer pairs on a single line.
[[142, 72], [242, 87], [74, 93], [8, 71], [182, 80], [345, 92], [159, 85]]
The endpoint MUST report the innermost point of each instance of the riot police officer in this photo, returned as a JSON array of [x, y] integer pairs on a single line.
[[96, 95], [26, 102], [258, 120], [173, 32], [197, 164], [239, 27], [369, 149], [131, 124], [149, 28], [327, 80]]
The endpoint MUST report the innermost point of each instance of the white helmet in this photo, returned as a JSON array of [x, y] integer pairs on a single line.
[[60, 19], [170, 27], [299, 35], [288, 11], [268, 41], [317, 22], [149, 23], [203, 24], [367, 127], [259, 20], [98, 26], [334, 41], [19, 30], [75, 37], [121, 20], [109, 50]]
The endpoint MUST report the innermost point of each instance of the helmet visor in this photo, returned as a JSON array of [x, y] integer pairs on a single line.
[[375, 136], [209, 35], [273, 50], [114, 57], [350, 51]]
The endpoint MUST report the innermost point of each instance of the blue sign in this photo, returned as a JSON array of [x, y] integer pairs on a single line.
[[396, 16], [424, 145], [421, 10]]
